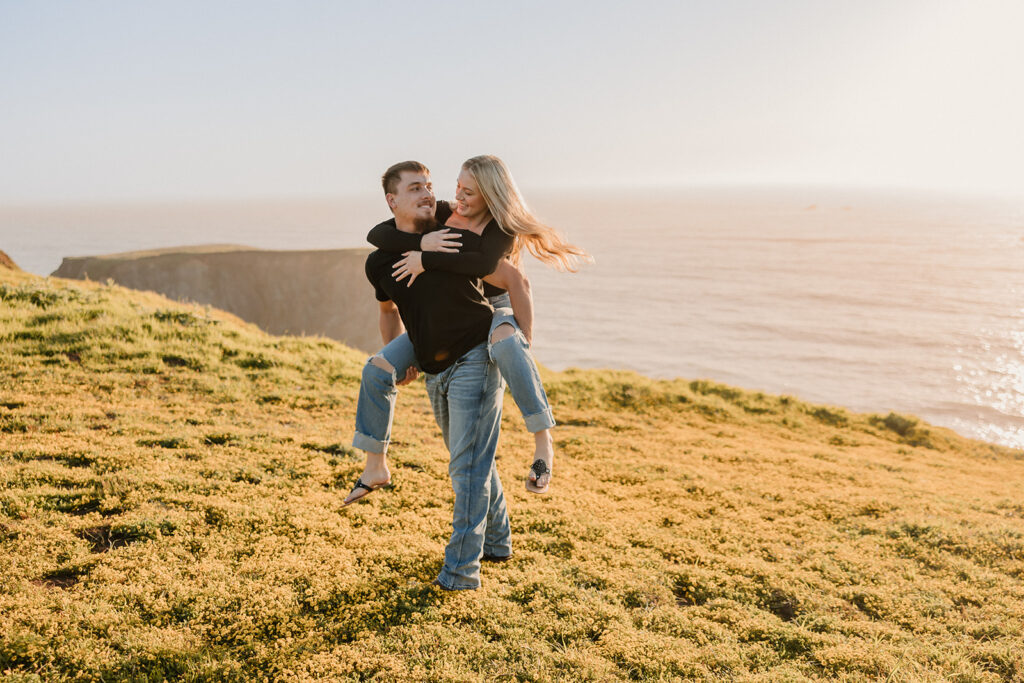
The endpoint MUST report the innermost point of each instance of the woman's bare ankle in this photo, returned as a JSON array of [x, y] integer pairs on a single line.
[[544, 446], [376, 471]]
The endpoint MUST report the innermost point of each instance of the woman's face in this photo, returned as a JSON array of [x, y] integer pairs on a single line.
[[469, 203]]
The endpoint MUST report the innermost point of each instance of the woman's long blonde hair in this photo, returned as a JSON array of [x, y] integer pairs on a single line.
[[508, 208]]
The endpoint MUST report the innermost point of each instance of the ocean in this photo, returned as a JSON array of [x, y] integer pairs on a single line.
[[876, 302]]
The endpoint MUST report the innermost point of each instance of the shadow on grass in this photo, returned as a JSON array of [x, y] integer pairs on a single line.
[[66, 576], [108, 537], [174, 665], [76, 503], [349, 612]]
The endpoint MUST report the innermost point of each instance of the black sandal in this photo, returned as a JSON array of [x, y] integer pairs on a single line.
[[369, 490], [539, 468]]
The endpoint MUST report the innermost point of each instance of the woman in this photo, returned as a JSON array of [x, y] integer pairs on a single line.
[[492, 219]]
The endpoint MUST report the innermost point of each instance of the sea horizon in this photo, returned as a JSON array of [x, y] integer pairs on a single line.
[[19, 216]]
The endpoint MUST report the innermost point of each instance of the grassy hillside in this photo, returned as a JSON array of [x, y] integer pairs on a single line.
[[170, 489]]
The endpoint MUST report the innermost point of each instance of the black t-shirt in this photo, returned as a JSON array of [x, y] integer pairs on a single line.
[[444, 313], [478, 257]]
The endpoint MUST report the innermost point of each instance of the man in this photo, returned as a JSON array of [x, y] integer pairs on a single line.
[[448, 320]]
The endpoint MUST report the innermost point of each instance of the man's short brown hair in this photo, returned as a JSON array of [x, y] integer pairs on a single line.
[[391, 176]]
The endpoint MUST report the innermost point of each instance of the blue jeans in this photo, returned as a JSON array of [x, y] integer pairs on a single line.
[[377, 393], [466, 399], [512, 356]]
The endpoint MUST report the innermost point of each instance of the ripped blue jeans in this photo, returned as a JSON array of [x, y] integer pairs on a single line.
[[377, 392], [466, 399]]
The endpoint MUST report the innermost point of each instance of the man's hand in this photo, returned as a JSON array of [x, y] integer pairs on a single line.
[[410, 375], [440, 240], [409, 267]]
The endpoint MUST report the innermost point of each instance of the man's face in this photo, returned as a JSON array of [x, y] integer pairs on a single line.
[[413, 200]]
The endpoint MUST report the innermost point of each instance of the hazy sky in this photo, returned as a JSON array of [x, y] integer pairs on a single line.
[[143, 100]]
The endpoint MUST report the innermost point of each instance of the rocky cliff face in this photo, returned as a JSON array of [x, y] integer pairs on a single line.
[[322, 292], [6, 262]]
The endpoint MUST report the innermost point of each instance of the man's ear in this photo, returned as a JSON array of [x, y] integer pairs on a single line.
[[391, 200]]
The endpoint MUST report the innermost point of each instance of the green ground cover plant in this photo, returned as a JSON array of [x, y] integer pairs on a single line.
[[170, 509]]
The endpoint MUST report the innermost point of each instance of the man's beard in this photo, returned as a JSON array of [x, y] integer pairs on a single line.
[[423, 224]]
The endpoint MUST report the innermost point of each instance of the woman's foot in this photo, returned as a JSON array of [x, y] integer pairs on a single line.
[[375, 475], [543, 458], [362, 490]]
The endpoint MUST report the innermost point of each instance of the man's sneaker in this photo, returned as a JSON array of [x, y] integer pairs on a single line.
[[496, 558]]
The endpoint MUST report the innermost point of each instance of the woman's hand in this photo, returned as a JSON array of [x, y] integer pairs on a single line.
[[515, 281], [410, 375], [440, 240], [409, 267], [527, 333]]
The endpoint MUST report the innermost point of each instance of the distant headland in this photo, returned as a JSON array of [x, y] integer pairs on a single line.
[[316, 292], [7, 262]]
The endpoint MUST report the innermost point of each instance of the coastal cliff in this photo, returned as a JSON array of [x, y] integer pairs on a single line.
[[6, 262], [317, 292]]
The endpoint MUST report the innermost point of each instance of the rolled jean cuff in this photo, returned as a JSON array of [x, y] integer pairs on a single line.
[[447, 580], [368, 443], [538, 422], [504, 550]]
